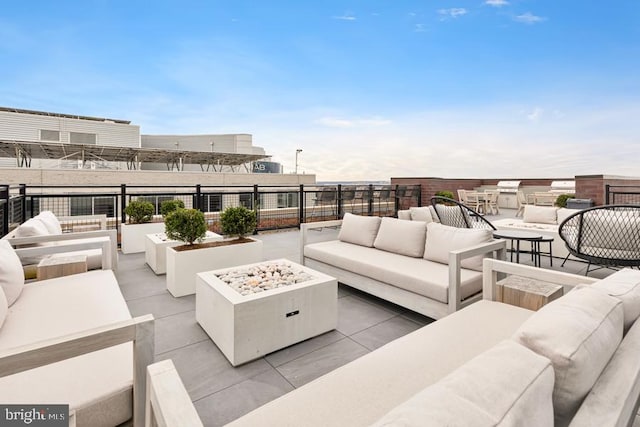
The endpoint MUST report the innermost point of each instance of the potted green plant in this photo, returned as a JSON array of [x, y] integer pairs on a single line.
[[132, 234], [561, 201], [189, 226], [169, 206]]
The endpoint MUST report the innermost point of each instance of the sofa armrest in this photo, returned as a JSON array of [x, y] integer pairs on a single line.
[[168, 402], [100, 219], [497, 248], [139, 330], [109, 251], [102, 243], [318, 226], [491, 268]]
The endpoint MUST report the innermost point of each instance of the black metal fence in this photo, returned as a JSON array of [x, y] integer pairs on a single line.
[[276, 206], [622, 194]]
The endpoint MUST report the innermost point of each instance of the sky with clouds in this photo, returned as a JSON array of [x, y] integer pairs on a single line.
[[367, 89]]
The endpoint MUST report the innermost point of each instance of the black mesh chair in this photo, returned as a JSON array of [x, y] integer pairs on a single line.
[[455, 214], [607, 236]]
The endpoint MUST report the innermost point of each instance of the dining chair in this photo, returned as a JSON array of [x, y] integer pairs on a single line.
[[491, 202], [475, 201], [462, 196], [522, 202]]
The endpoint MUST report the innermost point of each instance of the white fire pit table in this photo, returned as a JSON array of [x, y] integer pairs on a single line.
[[246, 327], [156, 245]]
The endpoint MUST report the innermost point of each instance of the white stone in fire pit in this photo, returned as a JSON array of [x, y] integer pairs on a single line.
[[246, 327]]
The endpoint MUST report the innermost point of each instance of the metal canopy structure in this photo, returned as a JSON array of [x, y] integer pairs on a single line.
[[24, 151]]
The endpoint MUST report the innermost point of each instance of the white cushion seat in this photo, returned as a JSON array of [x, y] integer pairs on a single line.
[[423, 277], [97, 385]]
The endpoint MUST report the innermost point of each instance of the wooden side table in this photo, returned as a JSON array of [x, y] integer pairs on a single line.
[[49, 268], [527, 293]]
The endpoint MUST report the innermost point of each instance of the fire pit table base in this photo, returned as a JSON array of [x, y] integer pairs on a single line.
[[246, 327]]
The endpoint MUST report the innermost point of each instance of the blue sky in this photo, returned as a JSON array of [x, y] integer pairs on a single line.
[[368, 89]]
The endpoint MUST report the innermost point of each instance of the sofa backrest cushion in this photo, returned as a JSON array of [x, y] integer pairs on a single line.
[[564, 213], [442, 239], [434, 214], [404, 214], [50, 221], [32, 228], [540, 214], [401, 237], [579, 333], [421, 214], [508, 385], [624, 285], [359, 230], [11, 273], [4, 307]]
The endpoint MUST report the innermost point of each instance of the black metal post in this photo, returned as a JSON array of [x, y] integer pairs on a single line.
[[339, 210], [4, 195], [23, 203], [301, 205], [256, 206], [396, 198], [606, 195], [370, 200], [419, 194], [199, 205], [123, 202]]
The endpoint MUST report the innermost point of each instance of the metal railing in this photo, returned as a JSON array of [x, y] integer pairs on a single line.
[[277, 207], [622, 194]]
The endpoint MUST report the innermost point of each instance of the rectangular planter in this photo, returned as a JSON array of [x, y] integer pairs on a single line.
[[182, 266], [132, 236], [156, 249], [248, 327]]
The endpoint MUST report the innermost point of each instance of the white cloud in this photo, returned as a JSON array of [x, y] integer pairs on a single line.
[[496, 3], [453, 12], [346, 17], [535, 115], [419, 28], [529, 18], [334, 122]]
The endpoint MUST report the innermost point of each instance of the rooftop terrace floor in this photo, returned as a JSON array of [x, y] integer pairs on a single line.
[[222, 393]]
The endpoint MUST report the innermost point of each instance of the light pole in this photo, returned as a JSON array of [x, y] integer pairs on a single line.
[[298, 151]]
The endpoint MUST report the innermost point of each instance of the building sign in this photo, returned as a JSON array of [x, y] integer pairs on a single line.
[[267, 167]]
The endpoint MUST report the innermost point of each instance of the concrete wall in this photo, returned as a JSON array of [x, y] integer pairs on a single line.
[[32, 176]]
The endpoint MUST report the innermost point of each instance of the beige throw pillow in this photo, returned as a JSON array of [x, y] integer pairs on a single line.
[[442, 239], [625, 286], [540, 214], [579, 333], [508, 385], [421, 214], [359, 230], [11, 273], [50, 221], [401, 237], [32, 228]]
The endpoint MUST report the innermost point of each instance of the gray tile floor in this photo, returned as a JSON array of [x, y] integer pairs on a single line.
[[222, 393]]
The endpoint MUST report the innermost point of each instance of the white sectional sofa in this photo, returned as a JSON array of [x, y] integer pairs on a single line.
[[539, 219], [71, 340], [574, 362], [424, 266]]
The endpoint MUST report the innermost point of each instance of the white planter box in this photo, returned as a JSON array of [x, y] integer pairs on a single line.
[[132, 236], [247, 327], [156, 249], [182, 266]]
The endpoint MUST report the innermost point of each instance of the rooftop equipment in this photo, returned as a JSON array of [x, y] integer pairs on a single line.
[[508, 187], [563, 187]]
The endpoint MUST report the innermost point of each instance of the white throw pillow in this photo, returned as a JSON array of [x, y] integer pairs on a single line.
[[442, 239], [401, 237], [4, 307], [508, 385], [579, 333], [434, 214], [540, 214], [421, 214], [624, 285], [359, 230], [564, 213], [50, 221], [32, 228], [11, 273]]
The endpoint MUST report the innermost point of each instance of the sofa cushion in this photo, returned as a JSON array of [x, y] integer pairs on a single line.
[[404, 214], [4, 307], [434, 214], [421, 214], [442, 239], [50, 221], [362, 391], [578, 333], [61, 306], [624, 285], [32, 228], [540, 214], [564, 213], [11, 273], [359, 230], [401, 237], [508, 385], [426, 278]]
